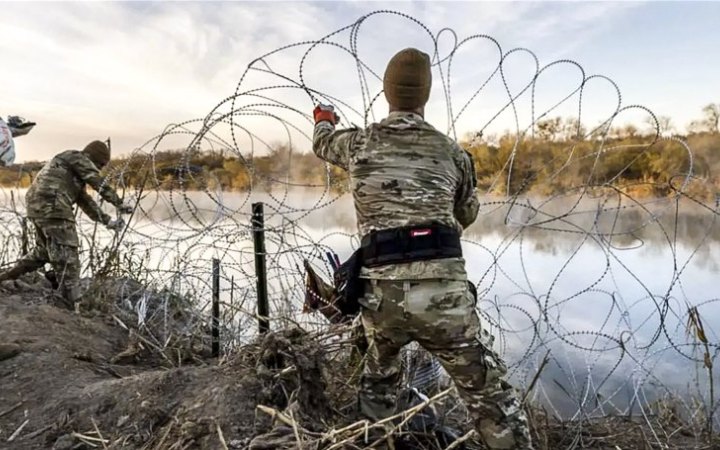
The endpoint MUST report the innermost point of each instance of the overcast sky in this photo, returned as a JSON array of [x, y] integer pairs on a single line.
[[126, 70]]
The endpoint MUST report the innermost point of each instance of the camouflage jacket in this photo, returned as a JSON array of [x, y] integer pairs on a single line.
[[61, 184], [404, 172]]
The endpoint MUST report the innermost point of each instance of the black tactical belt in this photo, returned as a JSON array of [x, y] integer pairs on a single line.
[[409, 244], [393, 246]]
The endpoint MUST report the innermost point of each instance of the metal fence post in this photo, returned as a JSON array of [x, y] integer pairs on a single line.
[[258, 226], [216, 308], [24, 239]]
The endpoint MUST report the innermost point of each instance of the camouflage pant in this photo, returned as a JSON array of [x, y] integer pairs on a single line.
[[56, 242], [440, 315]]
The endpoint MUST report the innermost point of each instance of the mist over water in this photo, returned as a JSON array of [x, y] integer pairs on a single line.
[[602, 289]]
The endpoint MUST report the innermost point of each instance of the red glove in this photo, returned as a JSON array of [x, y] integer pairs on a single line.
[[325, 112]]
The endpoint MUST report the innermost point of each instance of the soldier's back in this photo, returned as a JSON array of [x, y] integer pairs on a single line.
[[55, 189], [405, 174]]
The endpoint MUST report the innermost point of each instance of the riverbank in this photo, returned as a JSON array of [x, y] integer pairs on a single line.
[[98, 380]]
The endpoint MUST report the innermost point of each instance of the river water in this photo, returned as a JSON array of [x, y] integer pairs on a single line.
[[600, 288]]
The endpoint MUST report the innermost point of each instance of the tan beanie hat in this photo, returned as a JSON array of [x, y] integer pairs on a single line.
[[408, 79], [98, 152]]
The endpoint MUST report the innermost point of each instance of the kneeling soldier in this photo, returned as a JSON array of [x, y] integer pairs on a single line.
[[50, 201], [414, 192]]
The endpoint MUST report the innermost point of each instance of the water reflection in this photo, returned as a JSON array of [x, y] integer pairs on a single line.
[[599, 286]]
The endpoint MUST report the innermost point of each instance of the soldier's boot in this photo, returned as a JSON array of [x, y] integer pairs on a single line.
[[72, 296], [499, 417], [501, 437], [8, 351], [378, 395], [377, 400]]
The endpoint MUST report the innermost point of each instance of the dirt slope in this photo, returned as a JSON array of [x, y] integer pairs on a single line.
[[77, 375], [82, 381]]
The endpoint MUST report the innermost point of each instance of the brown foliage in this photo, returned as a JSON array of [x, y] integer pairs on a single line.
[[559, 157]]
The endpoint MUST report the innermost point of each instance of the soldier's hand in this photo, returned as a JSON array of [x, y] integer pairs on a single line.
[[116, 225], [125, 208], [325, 112]]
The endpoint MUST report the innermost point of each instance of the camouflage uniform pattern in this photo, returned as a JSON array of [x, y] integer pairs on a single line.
[[440, 315], [56, 242], [403, 172], [50, 201], [61, 184]]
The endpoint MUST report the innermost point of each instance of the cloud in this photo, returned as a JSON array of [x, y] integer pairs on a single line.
[[91, 70]]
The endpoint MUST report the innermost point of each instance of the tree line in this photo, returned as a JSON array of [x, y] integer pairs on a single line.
[[556, 155]]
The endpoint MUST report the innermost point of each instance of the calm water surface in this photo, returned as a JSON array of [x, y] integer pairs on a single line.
[[602, 288]]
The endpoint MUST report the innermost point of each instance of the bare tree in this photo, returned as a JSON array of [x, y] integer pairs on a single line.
[[628, 131], [573, 129], [659, 124], [696, 126], [712, 117], [549, 129]]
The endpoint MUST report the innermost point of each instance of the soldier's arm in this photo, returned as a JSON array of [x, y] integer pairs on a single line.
[[92, 209], [466, 201], [334, 146], [88, 173]]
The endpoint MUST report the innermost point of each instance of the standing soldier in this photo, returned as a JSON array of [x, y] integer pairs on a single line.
[[414, 192], [50, 201]]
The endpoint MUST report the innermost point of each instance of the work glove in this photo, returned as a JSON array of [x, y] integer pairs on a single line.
[[325, 113], [125, 209], [116, 225]]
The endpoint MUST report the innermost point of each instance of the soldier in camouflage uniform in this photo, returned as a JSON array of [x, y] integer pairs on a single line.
[[403, 172], [57, 188]]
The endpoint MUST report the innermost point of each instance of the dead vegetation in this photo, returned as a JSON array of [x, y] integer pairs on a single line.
[[113, 378]]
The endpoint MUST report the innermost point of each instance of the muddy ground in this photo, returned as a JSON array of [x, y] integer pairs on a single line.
[[90, 380]]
